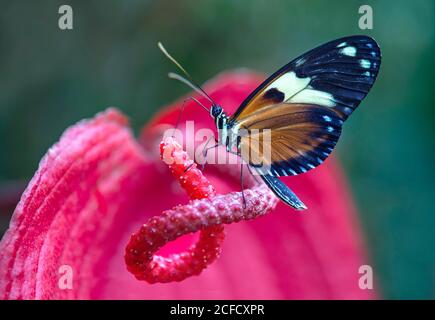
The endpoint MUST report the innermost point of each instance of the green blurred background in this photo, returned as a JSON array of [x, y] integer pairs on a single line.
[[51, 78]]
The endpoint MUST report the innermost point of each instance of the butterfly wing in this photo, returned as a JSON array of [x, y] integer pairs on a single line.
[[304, 105], [300, 137], [338, 75], [283, 192]]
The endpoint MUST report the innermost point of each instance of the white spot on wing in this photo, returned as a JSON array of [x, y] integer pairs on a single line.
[[330, 129], [312, 96], [365, 63], [289, 84], [299, 62], [349, 51], [347, 110], [342, 45], [327, 118]]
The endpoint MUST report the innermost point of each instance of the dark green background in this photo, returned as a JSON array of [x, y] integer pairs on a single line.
[[49, 79]]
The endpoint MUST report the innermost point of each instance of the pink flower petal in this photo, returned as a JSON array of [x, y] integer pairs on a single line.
[[96, 186]]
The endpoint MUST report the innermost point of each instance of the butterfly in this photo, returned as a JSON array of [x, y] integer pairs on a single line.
[[299, 110]]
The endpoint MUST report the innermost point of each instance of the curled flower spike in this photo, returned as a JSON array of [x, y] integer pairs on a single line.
[[206, 212]]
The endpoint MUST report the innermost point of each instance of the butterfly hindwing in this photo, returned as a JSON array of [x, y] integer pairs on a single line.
[[304, 105], [301, 136], [283, 192]]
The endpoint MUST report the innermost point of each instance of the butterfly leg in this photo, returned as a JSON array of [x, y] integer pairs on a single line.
[[241, 178], [243, 189], [182, 109], [188, 167], [204, 154], [252, 174], [205, 150]]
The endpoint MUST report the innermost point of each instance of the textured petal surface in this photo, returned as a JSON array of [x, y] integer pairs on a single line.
[[97, 185]]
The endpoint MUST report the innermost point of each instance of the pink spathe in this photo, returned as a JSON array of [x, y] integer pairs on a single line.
[[98, 185]]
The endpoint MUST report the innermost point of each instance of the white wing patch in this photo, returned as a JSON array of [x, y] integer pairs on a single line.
[[289, 84], [312, 96], [298, 90], [349, 51], [365, 63]]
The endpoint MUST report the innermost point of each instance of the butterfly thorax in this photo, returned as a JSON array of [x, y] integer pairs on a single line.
[[227, 132]]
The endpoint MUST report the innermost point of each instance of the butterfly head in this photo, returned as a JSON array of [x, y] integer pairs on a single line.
[[215, 111]]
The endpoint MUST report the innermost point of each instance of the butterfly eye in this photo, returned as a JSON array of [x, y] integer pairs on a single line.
[[216, 111]]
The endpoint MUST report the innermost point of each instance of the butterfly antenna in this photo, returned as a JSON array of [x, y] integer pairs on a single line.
[[176, 76], [182, 109], [189, 81]]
